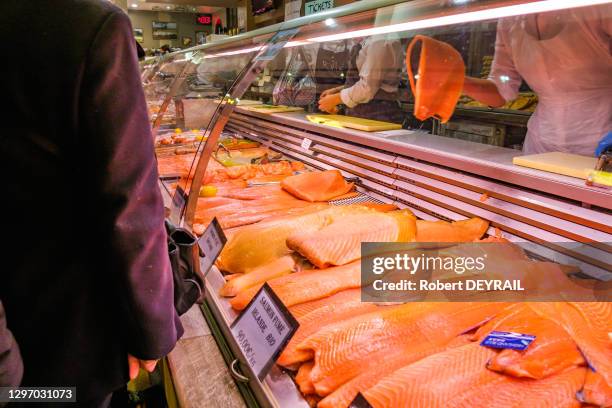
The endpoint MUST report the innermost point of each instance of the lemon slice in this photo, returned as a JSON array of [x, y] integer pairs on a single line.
[[208, 191]]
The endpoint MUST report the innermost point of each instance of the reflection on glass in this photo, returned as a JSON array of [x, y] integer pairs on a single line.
[[536, 80]]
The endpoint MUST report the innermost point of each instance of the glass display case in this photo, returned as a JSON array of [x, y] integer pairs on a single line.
[[441, 107]]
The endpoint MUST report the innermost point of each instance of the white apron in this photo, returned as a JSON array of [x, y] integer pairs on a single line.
[[571, 72]]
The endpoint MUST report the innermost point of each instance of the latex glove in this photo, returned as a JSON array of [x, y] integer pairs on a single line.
[[134, 365], [604, 144], [328, 103]]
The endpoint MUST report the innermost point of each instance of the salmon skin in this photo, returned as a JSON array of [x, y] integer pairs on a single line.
[[346, 349], [306, 285], [458, 378], [552, 351], [336, 308], [317, 185], [340, 242]]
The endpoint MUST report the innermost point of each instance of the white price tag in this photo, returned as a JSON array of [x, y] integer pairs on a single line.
[[263, 330], [211, 244], [306, 143]]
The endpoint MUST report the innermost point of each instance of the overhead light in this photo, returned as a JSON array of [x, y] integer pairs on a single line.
[[330, 22], [134, 5], [168, 7], [466, 17]]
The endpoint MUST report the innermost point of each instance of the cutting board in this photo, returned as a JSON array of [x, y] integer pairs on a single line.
[[273, 108], [367, 125], [568, 164]]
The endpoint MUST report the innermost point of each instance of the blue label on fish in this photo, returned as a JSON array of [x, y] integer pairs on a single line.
[[508, 340]]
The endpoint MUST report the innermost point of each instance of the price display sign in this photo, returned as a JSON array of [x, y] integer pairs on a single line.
[[204, 19], [178, 203], [306, 143], [360, 402], [263, 330], [211, 244]]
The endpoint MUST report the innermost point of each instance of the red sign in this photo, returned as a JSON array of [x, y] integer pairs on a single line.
[[204, 19]]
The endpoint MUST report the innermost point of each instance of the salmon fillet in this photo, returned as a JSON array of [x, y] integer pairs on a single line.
[[457, 231], [307, 285], [552, 351], [590, 325], [346, 349], [458, 378], [340, 242], [336, 308], [302, 378], [264, 242], [346, 393], [279, 267], [595, 390], [317, 185]]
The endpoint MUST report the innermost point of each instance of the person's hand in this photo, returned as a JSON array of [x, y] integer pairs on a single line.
[[331, 91], [134, 365], [328, 103]]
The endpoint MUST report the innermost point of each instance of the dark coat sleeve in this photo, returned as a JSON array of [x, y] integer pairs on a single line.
[[117, 149], [11, 366]]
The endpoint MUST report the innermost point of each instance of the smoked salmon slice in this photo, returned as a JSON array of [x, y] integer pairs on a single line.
[[347, 349], [302, 378], [590, 325], [336, 308], [346, 393], [552, 351], [595, 390], [457, 231], [458, 378], [264, 242], [340, 242], [307, 285], [317, 185], [282, 266], [441, 74]]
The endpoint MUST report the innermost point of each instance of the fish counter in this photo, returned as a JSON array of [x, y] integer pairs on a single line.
[[296, 224]]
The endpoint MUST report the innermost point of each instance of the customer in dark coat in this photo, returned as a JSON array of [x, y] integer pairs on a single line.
[[11, 366], [85, 278]]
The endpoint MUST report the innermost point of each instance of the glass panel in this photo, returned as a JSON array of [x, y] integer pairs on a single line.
[[538, 75], [185, 92]]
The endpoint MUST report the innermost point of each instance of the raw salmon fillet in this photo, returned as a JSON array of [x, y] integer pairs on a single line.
[[595, 390], [307, 285], [458, 378], [279, 267], [340, 242], [302, 378], [346, 393], [346, 349], [317, 185], [590, 325], [552, 351], [264, 242], [457, 231], [336, 308]]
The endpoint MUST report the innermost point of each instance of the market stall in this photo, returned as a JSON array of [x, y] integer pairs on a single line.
[[296, 192]]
